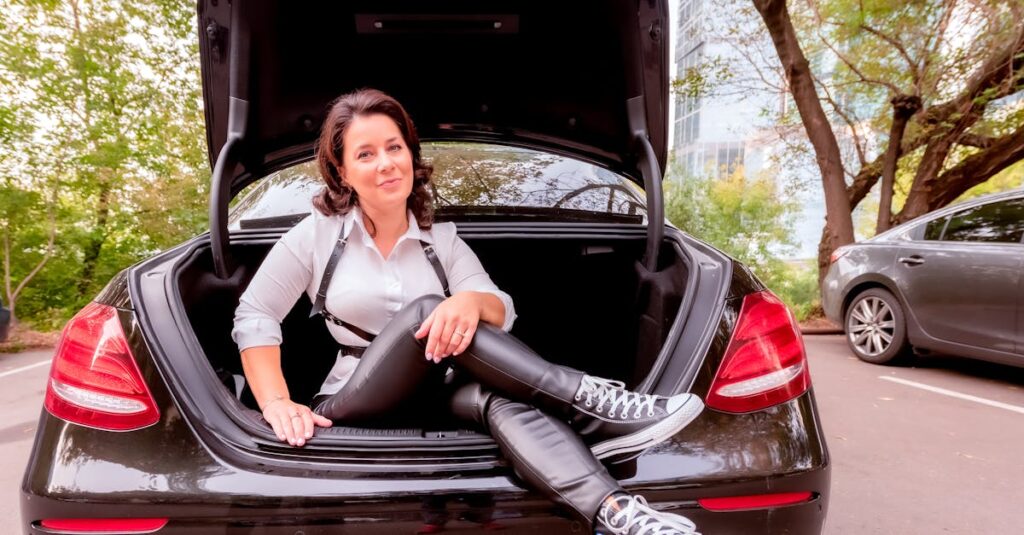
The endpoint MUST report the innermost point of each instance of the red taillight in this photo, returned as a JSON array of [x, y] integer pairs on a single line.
[[94, 380], [757, 501], [837, 254], [765, 363], [105, 525]]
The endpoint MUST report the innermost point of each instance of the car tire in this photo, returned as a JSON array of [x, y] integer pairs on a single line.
[[876, 329]]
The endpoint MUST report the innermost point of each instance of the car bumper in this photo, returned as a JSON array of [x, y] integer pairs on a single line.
[[831, 296], [515, 513], [163, 472]]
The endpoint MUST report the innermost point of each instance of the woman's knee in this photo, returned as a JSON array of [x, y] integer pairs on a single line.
[[413, 314], [421, 307], [470, 402]]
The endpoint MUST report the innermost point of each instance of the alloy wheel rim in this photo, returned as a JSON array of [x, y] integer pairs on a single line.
[[871, 326]]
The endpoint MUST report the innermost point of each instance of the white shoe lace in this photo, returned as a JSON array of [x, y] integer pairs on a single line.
[[634, 513], [599, 391]]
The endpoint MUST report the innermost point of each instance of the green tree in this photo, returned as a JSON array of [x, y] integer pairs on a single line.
[[113, 154], [26, 243], [750, 219], [919, 96]]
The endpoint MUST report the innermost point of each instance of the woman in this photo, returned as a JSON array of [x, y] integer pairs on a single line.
[[372, 261]]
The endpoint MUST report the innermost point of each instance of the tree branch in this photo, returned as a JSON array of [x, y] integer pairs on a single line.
[[579, 191], [975, 140], [868, 175], [914, 73], [1002, 71], [978, 167], [742, 51], [939, 34], [862, 183], [51, 216], [857, 143], [903, 108], [849, 64]]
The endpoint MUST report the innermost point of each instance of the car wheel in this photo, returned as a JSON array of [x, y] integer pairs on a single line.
[[876, 329]]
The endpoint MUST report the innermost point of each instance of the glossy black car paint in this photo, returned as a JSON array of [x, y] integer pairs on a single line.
[[553, 75], [184, 470]]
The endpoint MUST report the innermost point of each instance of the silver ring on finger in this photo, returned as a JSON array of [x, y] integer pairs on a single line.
[[458, 333]]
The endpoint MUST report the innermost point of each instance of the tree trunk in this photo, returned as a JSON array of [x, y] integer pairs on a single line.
[[903, 108], [96, 239], [838, 220], [926, 180]]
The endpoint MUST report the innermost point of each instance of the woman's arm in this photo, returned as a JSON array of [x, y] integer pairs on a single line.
[[262, 366], [291, 421], [467, 274], [492, 310], [283, 276], [451, 326]]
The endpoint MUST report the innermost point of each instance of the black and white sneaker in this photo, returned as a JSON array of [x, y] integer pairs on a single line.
[[617, 422], [630, 515]]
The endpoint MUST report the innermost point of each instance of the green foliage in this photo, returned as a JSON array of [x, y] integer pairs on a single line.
[[101, 144], [1010, 178], [861, 54], [797, 285], [703, 79], [750, 219]]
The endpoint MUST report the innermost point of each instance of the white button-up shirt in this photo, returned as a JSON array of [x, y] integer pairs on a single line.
[[366, 290]]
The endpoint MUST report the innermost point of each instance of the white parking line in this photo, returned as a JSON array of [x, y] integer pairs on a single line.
[[23, 368], [951, 393]]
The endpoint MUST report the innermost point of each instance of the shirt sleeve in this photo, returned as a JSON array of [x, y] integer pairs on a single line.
[[466, 273], [282, 277]]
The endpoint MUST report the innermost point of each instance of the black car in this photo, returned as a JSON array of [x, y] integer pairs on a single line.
[[5, 321], [547, 124]]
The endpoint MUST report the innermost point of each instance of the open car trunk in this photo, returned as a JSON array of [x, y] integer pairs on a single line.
[[582, 300]]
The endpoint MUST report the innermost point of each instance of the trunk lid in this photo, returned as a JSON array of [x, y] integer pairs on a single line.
[[552, 75]]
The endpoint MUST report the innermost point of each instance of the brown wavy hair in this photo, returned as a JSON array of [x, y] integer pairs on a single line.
[[338, 198]]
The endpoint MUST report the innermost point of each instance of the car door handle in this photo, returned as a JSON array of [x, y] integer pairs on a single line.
[[912, 260]]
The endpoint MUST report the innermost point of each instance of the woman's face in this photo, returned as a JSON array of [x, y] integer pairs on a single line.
[[377, 163]]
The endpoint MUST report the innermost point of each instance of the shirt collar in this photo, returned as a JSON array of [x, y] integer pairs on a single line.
[[354, 220]]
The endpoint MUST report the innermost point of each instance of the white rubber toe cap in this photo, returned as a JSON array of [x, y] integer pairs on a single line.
[[675, 402]]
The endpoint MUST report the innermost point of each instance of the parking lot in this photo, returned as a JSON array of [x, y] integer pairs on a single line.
[[933, 448]]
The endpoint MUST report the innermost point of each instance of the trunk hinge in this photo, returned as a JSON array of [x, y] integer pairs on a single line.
[[231, 153], [651, 171]]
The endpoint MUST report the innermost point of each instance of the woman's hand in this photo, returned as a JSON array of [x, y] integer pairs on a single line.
[[451, 326], [292, 422]]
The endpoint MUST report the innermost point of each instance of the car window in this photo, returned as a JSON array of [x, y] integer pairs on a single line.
[[933, 230], [994, 222], [472, 180]]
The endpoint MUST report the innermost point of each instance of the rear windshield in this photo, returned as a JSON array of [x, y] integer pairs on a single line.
[[473, 181]]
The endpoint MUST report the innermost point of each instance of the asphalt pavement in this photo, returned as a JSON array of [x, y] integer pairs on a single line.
[[933, 448], [22, 385]]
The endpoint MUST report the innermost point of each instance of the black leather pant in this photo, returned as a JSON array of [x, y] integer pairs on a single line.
[[510, 386]]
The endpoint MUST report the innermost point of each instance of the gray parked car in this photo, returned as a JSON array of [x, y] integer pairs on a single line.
[[947, 282]]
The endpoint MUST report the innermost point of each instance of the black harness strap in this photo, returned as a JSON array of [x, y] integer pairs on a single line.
[[319, 305], [438, 268]]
